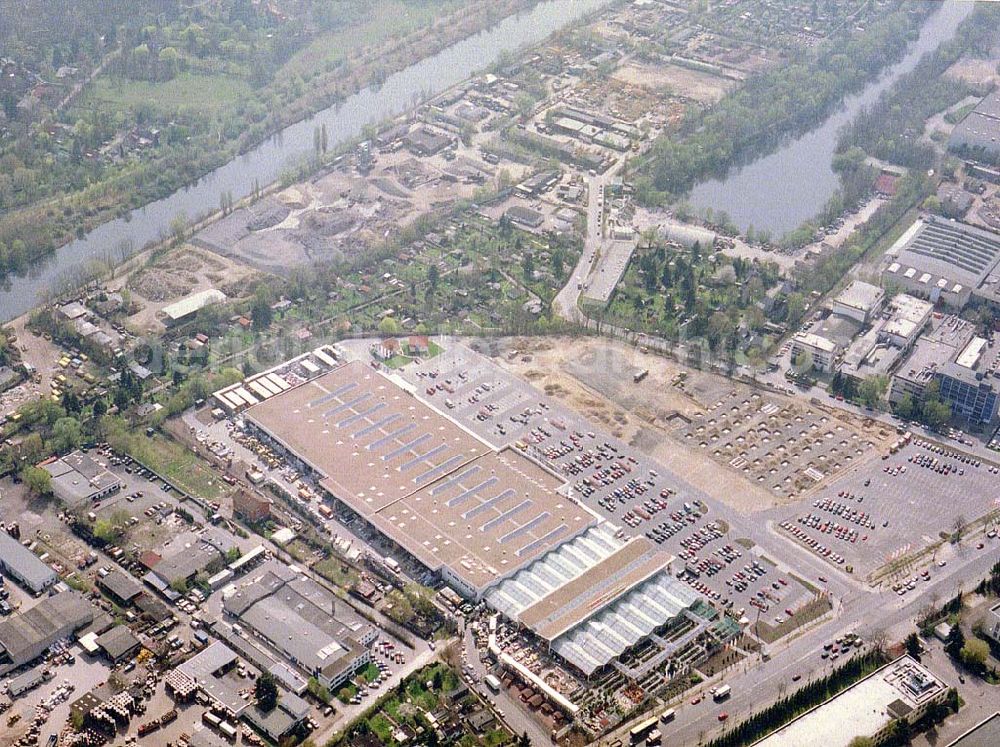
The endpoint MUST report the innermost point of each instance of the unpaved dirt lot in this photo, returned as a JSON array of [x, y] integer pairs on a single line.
[[680, 81], [179, 273], [978, 72]]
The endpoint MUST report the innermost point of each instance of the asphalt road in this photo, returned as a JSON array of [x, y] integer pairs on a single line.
[[515, 715], [565, 302], [866, 613]]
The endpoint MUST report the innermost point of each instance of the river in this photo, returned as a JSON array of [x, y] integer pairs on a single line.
[[265, 163], [780, 191]]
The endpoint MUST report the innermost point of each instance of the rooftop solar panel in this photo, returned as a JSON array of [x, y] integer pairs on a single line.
[[507, 515], [408, 446], [457, 478], [466, 494], [379, 443], [446, 465], [387, 420], [488, 504], [423, 458], [524, 528], [347, 405], [333, 395], [529, 548], [361, 415]]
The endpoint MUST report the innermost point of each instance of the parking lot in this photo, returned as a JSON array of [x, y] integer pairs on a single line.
[[879, 513], [615, 481], [786, 448]]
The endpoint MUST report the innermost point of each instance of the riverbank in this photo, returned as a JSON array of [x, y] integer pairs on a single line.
[[162, 170], [755, 195], [267, 163]]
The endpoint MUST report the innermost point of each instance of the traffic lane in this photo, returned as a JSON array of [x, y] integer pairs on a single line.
[[866, 614], [514, 715]]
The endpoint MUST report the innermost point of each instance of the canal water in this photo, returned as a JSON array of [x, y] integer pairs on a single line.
[[780, 191], [265, 163]]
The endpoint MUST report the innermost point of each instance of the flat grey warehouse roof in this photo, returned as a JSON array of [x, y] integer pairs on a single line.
[[19, 561]]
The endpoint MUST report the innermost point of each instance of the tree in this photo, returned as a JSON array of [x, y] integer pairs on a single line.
[[37, 480], [900, 731], [872, 390], [71, 403], [399, 608], [178, 228], [433, 275], [66, 434], [955, 641], [318, 691], [388, 326], [528, 265], [266, 692], [913, 647], [974, 653], [905, 406], [959, 527], [803, 361]]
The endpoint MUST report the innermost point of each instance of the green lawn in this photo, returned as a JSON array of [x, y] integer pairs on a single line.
[[187, 90], [168, 458], [385, 19], [381, 727], [330, 569]]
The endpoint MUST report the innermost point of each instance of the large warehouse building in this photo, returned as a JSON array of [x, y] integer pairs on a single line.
[[26, 636], [19, 563], [461, 509], [595, 597], [978, 135], [492, 524], [944, 261]]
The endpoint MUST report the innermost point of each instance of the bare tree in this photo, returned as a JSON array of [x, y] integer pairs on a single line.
[[959, 525], [879, 640]]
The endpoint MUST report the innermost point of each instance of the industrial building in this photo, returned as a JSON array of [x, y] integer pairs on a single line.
[[943, 261], [592, 599], [27, 635], [185, 557], [978, 134], [118, 644], [78, 479], [970, 383], [901, 690], [22, 565], [860, 301], [278, 723], [879, 350], [121, 586], [470, 514], [185, 309], [301, 621], [206, 672], [942, 342]]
